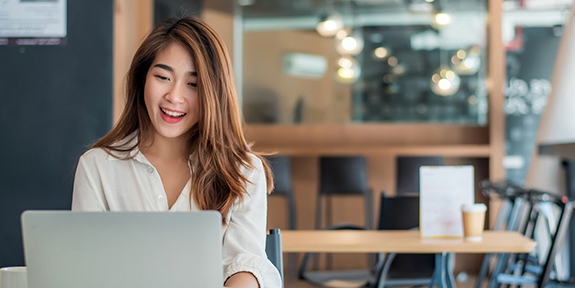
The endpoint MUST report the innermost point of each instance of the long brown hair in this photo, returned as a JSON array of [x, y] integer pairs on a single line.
[[217, 146]]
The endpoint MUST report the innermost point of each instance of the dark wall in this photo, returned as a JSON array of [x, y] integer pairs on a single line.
[[54, 102], [165, 9], [529, 72]]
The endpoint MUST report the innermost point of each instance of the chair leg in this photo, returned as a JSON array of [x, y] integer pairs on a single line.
[[329, 223], [438, 275], [318, 212], [502, 259], [558, 238], [318, 225], [449, 258], [368, 210], [483, 270], [291, 211]]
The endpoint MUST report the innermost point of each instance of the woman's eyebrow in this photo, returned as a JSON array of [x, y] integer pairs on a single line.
[[165, 67], [170, 69]]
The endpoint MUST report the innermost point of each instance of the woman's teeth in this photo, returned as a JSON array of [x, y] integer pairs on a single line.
[[172, 114]]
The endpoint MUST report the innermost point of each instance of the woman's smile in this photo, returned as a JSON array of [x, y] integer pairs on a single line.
[[171, 116]]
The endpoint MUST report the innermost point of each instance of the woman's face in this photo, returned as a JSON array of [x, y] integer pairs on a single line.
[[170, 92]]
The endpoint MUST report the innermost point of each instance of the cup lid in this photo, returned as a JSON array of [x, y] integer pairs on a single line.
[[475, 207]]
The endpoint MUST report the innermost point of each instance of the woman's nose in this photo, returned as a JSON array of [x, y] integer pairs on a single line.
[[176, 94]]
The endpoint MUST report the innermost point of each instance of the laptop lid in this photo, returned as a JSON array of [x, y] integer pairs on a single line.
[[66, 249]]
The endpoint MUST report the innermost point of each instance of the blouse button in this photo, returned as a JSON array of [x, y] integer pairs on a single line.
[[150, 169], [160, 197]]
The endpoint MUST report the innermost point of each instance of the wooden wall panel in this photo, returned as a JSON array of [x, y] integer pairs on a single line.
[[133, 20]]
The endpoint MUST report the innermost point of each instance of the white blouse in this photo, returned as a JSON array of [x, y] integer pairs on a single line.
[[106, 183]]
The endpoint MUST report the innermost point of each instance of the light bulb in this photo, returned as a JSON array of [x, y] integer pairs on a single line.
[[467, 62], [342, 33], [329, 25], [441, 19], [445, 82], [348, 70], [349, 45], [381, 52]]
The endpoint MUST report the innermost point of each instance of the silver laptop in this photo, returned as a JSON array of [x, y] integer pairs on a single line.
[[65, 249]]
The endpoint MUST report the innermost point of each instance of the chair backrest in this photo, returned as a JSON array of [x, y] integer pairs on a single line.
[[559, 235], [401, 212], [509, 217], [407, 169], [281, 168], [274, 249], [343, 175], [547, 221], [398, 213]]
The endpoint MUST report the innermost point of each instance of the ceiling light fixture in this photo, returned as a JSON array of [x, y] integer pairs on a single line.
[[348, 70], [329, 25], [350, 45], [441, 19], [381, 52], [467, 62], [445, 82]]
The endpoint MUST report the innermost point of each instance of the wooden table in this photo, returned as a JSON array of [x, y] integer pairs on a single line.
[[403, 241]]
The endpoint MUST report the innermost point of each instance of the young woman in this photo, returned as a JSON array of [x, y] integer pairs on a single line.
[[179, 146]]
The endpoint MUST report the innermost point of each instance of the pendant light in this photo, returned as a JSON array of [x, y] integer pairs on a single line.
[[444, 82], [348, 70], [352, 43], [329, 24], [467, 62]]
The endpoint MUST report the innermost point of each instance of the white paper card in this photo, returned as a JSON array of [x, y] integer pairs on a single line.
[[442, 191], [33, 18]]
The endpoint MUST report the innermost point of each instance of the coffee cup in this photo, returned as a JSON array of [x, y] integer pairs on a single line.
[[13, 277], [473, 216]]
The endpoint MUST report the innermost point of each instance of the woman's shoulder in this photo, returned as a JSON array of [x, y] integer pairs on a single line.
[[94, 155], [122, 149], [254, 161], [252, 166]]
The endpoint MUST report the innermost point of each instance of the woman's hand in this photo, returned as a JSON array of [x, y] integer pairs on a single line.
[[242, 280]]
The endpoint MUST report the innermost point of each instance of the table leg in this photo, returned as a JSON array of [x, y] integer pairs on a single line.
[[440, 273], [449, 269]]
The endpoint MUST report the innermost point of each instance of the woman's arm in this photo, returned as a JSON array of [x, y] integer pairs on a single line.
[[242, 280], [245, 235]]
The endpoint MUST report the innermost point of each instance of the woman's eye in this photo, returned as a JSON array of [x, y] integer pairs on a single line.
[[162, 77], [193, 84]]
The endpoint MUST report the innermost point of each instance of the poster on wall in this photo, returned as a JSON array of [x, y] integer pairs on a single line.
[[33, 22], [443, 189]]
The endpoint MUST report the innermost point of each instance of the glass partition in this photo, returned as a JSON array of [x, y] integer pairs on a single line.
[[344, 61], [532, 34]]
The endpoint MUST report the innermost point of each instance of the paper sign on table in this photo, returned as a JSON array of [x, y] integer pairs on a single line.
[[443, 189]]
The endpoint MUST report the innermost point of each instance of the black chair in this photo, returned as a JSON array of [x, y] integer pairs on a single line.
[[340, 176], [401, 213], [339, 278], [274, 249], [509, 218], [407, 169], [343, 176], [538, 268], [281, 168]]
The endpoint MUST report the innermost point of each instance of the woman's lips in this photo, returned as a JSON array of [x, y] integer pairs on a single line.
[[172, 117]]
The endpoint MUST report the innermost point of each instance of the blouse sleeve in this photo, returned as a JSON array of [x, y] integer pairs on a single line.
[[87, 194], [244, 238]]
